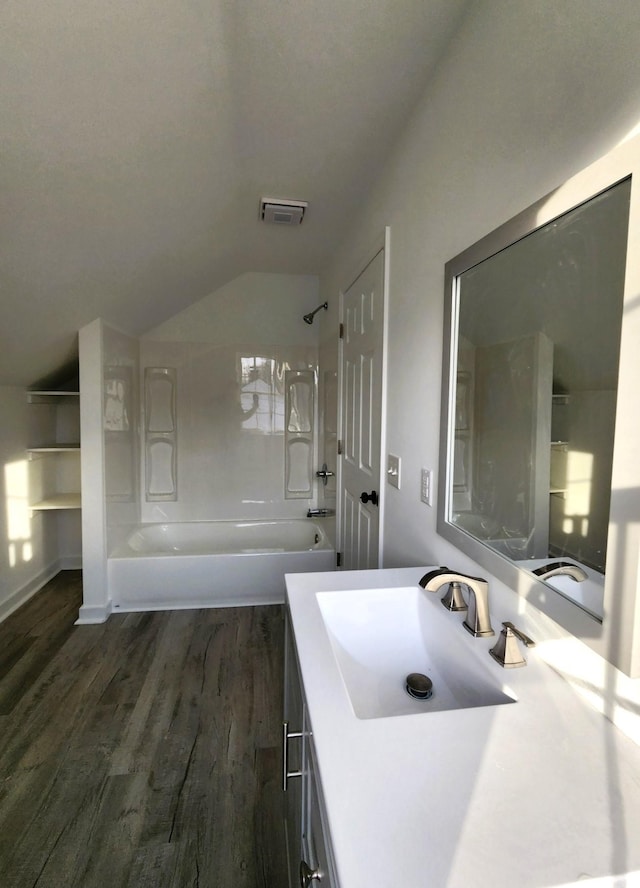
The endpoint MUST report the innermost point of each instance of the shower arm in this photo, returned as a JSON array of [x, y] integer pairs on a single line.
[[308, 318]]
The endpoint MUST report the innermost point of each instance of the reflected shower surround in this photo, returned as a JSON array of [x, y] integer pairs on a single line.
[[231, 418]]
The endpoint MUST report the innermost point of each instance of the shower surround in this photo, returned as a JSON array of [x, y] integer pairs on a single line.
[[234, 442], [232, 431]]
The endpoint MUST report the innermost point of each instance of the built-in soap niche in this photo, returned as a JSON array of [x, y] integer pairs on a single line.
[[299, 433], [160, 432]]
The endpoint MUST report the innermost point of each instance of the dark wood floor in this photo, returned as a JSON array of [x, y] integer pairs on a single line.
[[143, 752]]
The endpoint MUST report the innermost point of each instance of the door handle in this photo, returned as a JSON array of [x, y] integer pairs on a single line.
[[369, 497]]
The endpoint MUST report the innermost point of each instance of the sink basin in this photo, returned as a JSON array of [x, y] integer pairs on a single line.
[[380, 636]]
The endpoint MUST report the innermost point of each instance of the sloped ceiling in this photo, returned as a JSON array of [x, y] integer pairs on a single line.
[[138, 137]]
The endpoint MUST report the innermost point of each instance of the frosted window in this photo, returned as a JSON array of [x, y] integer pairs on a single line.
[[116, 405]]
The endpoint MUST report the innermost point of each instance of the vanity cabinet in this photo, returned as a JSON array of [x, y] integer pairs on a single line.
[[306, 831], [316, 848], [54, 454]]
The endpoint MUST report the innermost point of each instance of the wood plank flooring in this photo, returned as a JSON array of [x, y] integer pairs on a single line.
[[141, 753]]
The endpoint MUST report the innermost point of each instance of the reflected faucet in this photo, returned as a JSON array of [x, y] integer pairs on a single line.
[[478, 619], [560, 568]]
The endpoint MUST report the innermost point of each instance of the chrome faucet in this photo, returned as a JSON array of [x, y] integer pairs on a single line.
[[320, 513], [478, 619], [560, 568]]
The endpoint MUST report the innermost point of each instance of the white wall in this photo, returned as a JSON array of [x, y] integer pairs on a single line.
[[528, 94], [230, 459], [28, 542]]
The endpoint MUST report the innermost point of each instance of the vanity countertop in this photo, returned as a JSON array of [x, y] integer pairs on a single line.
[[544, 792]]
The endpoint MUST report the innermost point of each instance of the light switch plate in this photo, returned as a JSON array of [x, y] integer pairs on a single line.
[[426, 486], [393, 470]]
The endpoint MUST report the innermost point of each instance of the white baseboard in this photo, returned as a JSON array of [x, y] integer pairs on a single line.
[[71, 562], [24, 593], [90, 614]]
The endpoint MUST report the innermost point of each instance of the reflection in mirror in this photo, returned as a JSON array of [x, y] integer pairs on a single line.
[[536, 348]]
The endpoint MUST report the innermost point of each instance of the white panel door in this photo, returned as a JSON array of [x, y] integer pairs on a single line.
[[361, 416]]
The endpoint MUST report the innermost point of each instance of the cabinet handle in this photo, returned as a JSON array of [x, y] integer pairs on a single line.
[[307, 875], [286, 736]]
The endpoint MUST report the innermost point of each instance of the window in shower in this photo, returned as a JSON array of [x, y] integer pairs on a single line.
[[262, 394]]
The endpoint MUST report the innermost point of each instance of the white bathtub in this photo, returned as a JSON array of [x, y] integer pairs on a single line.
[[213, 563]]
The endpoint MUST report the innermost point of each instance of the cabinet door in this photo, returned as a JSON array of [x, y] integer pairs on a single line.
[[293, 758], [317, 854]]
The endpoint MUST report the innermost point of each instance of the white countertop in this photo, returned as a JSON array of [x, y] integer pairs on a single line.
[[544, 792]]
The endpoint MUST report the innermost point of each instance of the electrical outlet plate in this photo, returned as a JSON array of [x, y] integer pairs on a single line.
[[426, 486], [393, 470]]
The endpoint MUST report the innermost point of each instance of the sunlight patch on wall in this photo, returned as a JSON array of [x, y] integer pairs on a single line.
[[578, 492], [16, 485], [633, 132]]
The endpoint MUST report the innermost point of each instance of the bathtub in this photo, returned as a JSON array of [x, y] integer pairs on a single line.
[[213, 563]]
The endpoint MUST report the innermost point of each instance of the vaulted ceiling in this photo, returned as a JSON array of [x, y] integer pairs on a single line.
[[138, 137]]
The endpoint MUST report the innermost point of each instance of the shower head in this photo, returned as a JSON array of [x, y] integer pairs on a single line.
[[308, 318]]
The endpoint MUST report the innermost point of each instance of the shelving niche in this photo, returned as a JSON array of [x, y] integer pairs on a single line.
[[559, 444], [54, 457]]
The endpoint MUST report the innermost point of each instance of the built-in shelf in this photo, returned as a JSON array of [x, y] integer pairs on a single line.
[[55, 473], [58, 501], [54, 448], [47, 397], [555, 490]]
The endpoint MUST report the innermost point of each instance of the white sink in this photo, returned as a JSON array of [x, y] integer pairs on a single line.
[[379, 636]]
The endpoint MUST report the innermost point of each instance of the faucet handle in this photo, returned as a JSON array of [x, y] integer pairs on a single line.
[[529, 642], [506, 651]]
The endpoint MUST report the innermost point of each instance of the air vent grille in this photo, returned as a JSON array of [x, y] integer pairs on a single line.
[[282, 212]]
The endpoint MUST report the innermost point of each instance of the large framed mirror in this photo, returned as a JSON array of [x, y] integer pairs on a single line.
[[540, 438]]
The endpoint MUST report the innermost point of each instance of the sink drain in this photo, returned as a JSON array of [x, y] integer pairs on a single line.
[[419, 686]]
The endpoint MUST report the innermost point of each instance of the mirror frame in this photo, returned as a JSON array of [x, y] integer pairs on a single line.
[[617, 638]]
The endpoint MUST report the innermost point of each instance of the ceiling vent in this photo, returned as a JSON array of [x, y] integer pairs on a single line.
[[282, 212]]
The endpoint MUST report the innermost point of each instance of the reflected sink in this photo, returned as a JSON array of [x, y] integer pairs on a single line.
[[379, 636]]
